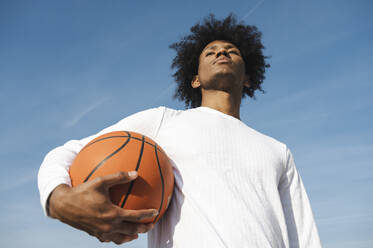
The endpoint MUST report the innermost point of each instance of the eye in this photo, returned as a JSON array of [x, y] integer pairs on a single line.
[[209, 53], [234, 51]]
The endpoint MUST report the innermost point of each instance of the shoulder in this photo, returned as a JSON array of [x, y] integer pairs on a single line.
[[148, 121], [274, 145], [160, 111], [147, 113], [266, 138]]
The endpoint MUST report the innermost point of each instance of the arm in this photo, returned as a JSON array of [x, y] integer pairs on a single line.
[[301, 227], [88, 207]]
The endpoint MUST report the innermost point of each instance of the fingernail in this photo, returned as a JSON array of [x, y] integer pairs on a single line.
[[151, 226], [132, 173]]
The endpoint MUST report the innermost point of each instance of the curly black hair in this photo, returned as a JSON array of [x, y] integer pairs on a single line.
[[245, 37]]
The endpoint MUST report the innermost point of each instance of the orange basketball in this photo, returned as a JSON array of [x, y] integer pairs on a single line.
[[128, 151]]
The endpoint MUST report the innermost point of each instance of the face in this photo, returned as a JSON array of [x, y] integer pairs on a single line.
[[221, 67]]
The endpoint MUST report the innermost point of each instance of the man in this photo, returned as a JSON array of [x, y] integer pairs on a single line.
[[234, 187]]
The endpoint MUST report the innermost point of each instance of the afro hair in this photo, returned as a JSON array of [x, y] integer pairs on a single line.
[[245, 37]]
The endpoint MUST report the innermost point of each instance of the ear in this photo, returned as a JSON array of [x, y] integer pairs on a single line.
[[246, 82], [195, 82]]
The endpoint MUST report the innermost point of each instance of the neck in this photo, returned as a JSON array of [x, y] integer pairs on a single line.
[[222, 101]]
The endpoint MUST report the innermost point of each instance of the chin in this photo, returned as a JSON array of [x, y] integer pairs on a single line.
[[223, 82], [225, 76]]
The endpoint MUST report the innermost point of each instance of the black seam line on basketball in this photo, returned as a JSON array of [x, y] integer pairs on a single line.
[[105, 159], [162, 181], [115, 136], [119, 136], [137, 168]]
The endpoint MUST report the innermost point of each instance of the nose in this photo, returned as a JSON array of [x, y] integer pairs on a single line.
[[223, 51]]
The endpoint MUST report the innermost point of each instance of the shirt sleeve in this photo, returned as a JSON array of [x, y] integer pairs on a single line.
[[54, 169], [301, 227]]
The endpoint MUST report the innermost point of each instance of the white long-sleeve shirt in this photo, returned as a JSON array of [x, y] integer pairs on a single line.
[[234, 187]]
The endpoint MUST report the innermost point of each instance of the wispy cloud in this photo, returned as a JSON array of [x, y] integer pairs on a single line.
[[298, 50], [252, 10], [73, 121], [160, 96], [28, 177]]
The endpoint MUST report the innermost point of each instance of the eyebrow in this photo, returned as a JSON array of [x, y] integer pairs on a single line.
[[213, 47]]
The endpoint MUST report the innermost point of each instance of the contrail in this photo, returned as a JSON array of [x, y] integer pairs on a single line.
[[162, 94], [79, 116], [252, 10]]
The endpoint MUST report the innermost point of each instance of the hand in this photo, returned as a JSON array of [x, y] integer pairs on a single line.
[[88, 207]]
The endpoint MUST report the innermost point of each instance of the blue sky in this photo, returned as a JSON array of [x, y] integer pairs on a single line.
[[70, 68]]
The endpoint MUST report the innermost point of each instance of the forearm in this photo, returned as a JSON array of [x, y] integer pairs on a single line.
[[54, 170], [88, 207], [54, 201]]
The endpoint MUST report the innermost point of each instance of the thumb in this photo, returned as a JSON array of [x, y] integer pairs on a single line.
[[117, 178]]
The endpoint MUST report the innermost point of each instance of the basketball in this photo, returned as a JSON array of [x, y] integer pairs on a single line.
[[128, 151]]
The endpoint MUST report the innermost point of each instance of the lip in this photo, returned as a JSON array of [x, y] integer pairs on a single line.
[[222, 60]]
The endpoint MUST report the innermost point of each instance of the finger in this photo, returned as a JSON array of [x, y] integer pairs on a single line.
[[130, 238], [103, 239], [118, 238], [82, 227], [129, 228], [126, 238], [136, 215], [114, 179]]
